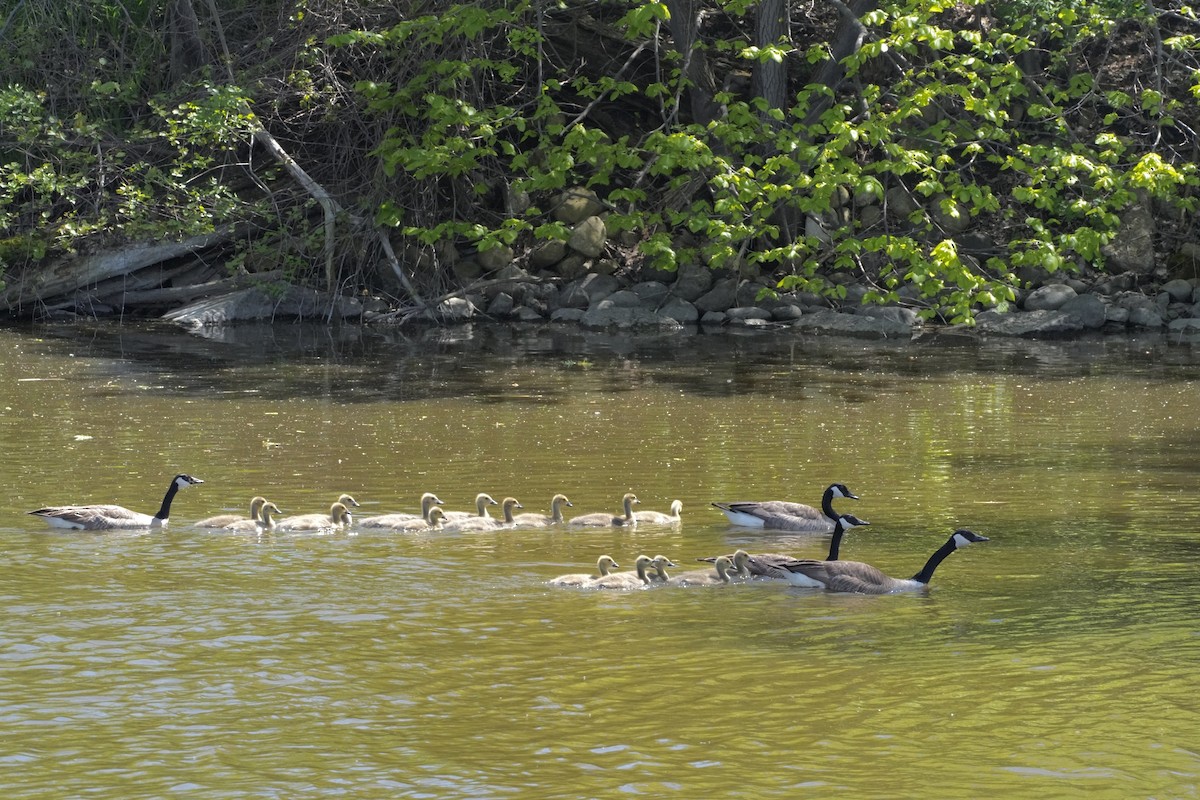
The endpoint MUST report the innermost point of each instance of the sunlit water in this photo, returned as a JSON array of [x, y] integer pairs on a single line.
[[1057, 660]]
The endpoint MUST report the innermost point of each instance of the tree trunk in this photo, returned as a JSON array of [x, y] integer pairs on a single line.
[[697, 72]]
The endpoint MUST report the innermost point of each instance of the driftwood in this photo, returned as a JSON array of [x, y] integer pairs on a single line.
[[59, 282]]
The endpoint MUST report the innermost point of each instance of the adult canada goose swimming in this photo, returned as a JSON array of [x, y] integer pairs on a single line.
[[605, 565], [337, 519], [482, 501], [542, 520], [773, 565], [705, 577], [781, 515], [855, 576], [264, 524], [484, 523], [659, 518], [109, 517], [223, 520], [638, 579], [400, 521], [600, 519]]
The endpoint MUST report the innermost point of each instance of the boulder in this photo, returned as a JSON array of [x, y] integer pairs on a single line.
[[576, 204], [1179, 290], [680, 310], [826, 321], [587, 290], [742, 313], [255, 304], [1044, 323], [607, 315], [722, 296], [1132, 247], [1049, 297], [589, 237], [547, 254], [1090, 310], [692, 282]]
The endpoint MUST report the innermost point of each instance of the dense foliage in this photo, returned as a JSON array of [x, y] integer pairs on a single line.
[[960, 144]]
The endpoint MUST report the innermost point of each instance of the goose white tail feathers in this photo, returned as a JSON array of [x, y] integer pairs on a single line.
[[787, 516], [113, 517]]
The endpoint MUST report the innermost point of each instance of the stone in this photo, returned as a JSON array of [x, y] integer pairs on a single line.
[[502, 305], [567, 315], [680, 310], [722, 296], [254, 304], [713, 318], [608, 315], [589, 237], [495, 258], [826, 321], [527, 314], [951, 216], [786, 312], [573, 266], [622, 298], [1116, 315], [1049, 297], [741, 313], [904, 316], [900, 203], [1179, 290], [576, 204], [547, 254], [1090, 310], [1146, 317], [1132, 247], [692, 282], [1184, 325], [587, 290], [749, 322], [652, 293], [747, 293], [1042, 323]]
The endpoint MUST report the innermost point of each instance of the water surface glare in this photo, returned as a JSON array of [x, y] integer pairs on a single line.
[[1058, 659]]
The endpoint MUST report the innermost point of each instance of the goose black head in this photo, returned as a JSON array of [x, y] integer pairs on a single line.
[[963, 537], [183, 480], [848, 521], [840, 490]]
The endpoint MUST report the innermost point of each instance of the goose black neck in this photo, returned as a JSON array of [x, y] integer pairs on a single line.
[[827, 506], [165, 511], [938, 557], [836, 542]]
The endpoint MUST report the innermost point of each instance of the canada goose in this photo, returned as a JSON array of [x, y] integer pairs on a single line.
[[265, 523], [482, 501], [605, 564], [638, 579], [600, 519], [337, 518], [507, 505], [705, 577], [781, 515], [399, 521], [659, 518], [855, 576], [419, 525], [224, 520], [108, 517], [772, 565], [660, 564], [541, 520], [347, 501]]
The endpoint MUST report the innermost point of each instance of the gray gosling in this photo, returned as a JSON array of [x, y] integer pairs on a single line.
[[605, 565], [717, 576], [638, 579], [225, 520], [600, 519], [482, 501], [264, 524], [542, 520], [337, 519], [400, 521], [659, 518]]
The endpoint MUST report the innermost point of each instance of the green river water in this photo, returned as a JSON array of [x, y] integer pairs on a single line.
[[1057, 660]]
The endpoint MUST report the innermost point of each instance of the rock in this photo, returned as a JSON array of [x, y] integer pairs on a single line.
[[749, 322], [1090, 310], [1179, 290], [722, 296], [577, 204], [900, 203], [589, 237], [1132, 248], [573, 266], [950, 216], [825, 321], [1049, 297], [567, 315], [495, 258], [904, 316], [1112, 284], [527, 314], [605, 266], [1031, 323], [713, 318], [588, 290], [742, 313], [1146, 317], [547, 254], [680, 310], [456, 309], [747, 293], [622, 298], [652, 293], [1187, 325], [467, 269], [692, 282], [255, 304], [786, 312], [501, 306], [607, 315], [1116, 315]]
